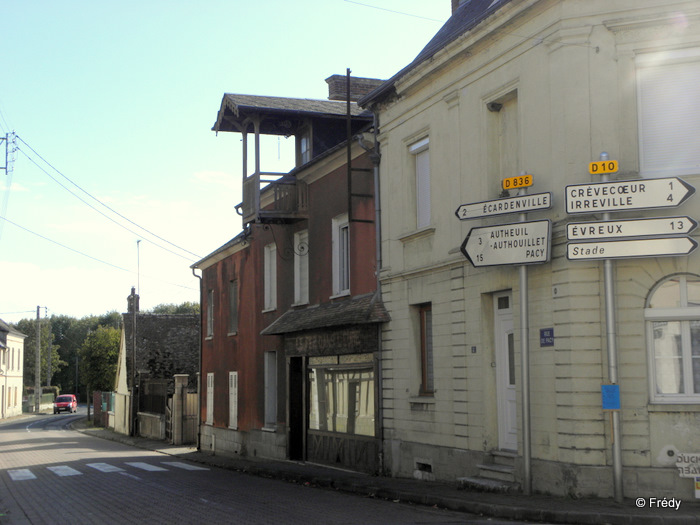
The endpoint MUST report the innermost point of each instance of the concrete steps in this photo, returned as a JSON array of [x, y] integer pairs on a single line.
[[496, 475]]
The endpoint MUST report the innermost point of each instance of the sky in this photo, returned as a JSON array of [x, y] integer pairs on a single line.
[[118, 180]]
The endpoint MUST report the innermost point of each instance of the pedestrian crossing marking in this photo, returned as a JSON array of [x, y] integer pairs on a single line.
[[104, 467], [21, 474], [185, 466], [64, 470], [145, 466]]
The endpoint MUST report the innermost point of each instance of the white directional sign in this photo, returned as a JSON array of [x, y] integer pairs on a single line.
[[580, 231], [630, 248], [626, 195], [519, 204], [515, 243]]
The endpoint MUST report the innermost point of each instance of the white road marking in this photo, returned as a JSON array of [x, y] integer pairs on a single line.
[[21, 474], [146, 466], [185, 466], [64, 470], [130, 476], [105, 467]]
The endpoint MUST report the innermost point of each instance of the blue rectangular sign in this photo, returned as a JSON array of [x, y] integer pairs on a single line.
[[611, 397], [546, 337]]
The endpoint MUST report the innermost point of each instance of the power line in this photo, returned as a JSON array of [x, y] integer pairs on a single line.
[[102, 203], [395, 12], [85, 254], [102, 213]]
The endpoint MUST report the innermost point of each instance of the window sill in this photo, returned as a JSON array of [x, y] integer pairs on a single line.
[[269, 429], [421, 402], [674, 406], [209, 338], [231, 334], [268, 310], [305, 303], [341, 294], [417, 234]]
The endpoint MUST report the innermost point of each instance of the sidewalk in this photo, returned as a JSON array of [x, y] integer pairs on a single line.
[[536, 508]]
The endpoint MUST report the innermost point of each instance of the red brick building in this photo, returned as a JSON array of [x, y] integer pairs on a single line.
[[290, 309]]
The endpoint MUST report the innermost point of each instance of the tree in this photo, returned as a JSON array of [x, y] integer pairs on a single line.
[[28, 326], [98, 356], [187, 307]]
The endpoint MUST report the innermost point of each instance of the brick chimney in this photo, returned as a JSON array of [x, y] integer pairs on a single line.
[[359, 87], [456, 4], [133, 301]]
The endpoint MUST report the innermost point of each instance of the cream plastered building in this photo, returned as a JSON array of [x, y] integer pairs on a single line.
[[542, 87], [11, 370]]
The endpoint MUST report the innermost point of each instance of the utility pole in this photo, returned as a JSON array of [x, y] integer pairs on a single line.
[[37, 364], [49, 373]]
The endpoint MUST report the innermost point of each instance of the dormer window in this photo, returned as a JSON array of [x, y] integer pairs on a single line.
[[304, 154]]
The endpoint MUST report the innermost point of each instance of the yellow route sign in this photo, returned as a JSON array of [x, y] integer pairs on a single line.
[[602, 166], [521, 181]]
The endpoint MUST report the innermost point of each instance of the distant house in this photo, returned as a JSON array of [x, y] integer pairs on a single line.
[[166, 345], [11, 370], [291, 317]]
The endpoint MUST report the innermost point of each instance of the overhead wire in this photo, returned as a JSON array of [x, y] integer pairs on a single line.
[[103, 204], [102, 213], [393, 11], [85, 254]]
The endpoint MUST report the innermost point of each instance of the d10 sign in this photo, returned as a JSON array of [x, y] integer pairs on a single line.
[[627, 195], [508, 244]]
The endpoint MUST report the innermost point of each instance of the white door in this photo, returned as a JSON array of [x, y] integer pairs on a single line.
[[505, 372]]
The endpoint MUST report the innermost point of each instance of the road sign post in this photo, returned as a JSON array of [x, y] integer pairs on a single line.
[[518, 204], [508, 244], [643, 194]]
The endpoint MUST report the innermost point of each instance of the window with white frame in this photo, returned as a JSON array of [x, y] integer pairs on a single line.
[[233, 400], [341, 255], [210, 398], [669, 112], [301, 267], [673, 335], [232, 307], [210, 313], [270, 269], [421, 156], [270, 389]]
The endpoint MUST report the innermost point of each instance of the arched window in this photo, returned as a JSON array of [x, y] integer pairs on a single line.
[[672, 316]]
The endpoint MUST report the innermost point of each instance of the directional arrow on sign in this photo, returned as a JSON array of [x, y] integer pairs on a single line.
[[580, 231], [630, 248], [519, 204], [515, 243], [627, 195]]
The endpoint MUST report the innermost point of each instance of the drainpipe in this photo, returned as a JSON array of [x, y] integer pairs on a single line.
[[375, 156], [199, 368]]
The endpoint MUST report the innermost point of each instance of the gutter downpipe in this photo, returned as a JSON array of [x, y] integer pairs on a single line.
[[376, 159], [199, 369]]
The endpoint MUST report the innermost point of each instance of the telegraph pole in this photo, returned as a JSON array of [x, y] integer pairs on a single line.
[[37, 364]]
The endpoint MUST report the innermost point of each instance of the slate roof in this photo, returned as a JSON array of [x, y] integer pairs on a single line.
[[363, 309], [464, 19]]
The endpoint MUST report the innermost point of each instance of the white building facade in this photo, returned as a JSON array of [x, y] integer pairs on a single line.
[[543, 87], [11, 370]]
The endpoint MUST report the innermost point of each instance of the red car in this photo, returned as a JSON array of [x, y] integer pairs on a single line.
[[65, 402]]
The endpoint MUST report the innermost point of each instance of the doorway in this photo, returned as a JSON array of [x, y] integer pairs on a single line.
[[504, 338]]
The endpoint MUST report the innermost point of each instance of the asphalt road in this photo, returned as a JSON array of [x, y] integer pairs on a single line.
[[50, 474]]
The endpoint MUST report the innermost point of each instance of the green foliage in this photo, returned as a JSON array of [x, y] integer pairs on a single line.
[[28, 326], [168, 308], [98, 357]]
